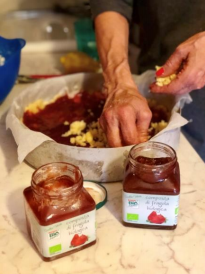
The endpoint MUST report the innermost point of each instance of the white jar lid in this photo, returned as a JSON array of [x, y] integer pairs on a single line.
[[97, 191]]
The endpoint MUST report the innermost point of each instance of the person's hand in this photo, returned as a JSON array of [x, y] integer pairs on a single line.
[[126, 117], [188, 62]]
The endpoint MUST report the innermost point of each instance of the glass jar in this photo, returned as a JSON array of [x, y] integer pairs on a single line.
[[60, 213], [151, 187]]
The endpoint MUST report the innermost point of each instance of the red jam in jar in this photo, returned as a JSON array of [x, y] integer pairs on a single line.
[[151, 187], [60, 213]]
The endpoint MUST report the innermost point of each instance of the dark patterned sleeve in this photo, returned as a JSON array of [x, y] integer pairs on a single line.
[[124, 7]]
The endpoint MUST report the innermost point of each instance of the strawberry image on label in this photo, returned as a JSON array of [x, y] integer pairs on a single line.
[[78, 240], [156, 218]]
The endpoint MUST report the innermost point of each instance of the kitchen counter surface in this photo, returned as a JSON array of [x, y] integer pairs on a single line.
[[118, 249]]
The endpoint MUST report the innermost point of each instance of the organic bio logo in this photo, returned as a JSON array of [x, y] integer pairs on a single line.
[[133, 203], [53, 234]]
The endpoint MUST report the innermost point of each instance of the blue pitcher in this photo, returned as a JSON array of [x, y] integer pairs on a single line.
[[10, 49]]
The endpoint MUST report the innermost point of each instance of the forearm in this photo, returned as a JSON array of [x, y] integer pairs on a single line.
[[112, 33], [126, 116]]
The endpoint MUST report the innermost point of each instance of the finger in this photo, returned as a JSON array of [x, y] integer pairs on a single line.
[[143, 122], [110, 126], [167, 90], [174, 62], [190, 78], [128, 127], [113, 136]]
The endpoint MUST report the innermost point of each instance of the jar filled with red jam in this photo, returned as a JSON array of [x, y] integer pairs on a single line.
[[151, 187], [60, 213]]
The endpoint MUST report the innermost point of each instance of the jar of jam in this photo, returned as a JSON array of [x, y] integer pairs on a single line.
[[60, 213], [151, 187]]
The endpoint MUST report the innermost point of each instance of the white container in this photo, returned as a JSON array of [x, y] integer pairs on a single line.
[[98, 164]]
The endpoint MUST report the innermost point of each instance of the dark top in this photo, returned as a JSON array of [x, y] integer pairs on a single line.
[[163, 26]]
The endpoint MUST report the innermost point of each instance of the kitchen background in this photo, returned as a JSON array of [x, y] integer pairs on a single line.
[[48, 28], [9, 5]]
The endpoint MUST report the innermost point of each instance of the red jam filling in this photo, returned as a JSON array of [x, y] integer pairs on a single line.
[[86, 106], [50, 121], [56, 185], [153, 161]]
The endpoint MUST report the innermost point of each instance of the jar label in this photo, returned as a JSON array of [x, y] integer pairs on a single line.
[[63, 236], [150, 209]]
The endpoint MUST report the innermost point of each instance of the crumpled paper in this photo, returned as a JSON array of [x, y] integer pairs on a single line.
[[96, 164]]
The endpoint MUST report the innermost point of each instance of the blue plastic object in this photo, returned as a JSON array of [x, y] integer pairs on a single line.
[[10, 49]]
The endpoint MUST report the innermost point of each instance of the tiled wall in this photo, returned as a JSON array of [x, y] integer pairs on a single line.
[[8, 5]]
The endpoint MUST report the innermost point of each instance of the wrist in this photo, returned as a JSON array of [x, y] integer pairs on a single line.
[[118, 77]]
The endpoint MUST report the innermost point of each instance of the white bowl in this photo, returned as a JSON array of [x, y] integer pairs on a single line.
[[98, 164]]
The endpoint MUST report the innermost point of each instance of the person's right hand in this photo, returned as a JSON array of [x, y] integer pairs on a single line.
[[126, 117]]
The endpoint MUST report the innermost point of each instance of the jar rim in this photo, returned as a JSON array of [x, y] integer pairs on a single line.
[[151, 144], [64, 192]]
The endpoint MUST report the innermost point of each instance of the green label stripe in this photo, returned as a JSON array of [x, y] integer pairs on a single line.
[[132, 217], [55, 248], [176, 210]]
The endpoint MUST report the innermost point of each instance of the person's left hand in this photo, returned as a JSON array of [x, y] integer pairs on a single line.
[[190, 55]]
